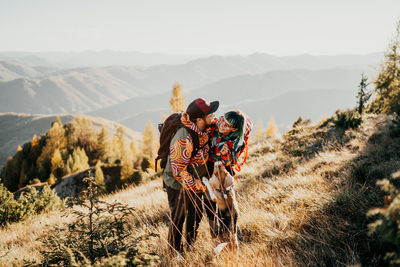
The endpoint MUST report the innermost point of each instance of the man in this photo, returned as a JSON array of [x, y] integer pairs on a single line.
[[183, 173]]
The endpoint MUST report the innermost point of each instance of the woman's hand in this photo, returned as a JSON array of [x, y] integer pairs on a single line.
[[224, 149]]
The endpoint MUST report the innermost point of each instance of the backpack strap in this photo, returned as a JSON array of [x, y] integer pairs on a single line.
[[196, 142]]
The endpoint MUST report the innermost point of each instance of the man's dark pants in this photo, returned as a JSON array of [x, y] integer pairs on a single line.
[[183, 204]]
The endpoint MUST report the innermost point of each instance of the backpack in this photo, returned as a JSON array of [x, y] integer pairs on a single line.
[[167, 131]]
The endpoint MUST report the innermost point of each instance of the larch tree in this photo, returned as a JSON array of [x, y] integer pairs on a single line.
[[272, 129], [177, 100], [258, 132], [387, 84], [118, 145], [98, 175], [103, 145], [134, 150], [57, 164], [149, 141]]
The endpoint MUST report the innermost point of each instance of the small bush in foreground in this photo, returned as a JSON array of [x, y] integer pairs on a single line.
[[29, 203], [100, 235], [388, 221]]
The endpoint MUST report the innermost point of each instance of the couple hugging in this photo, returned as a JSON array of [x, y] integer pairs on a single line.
[[197, 149]]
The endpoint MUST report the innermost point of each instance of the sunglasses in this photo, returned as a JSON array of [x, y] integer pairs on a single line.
[[226, 123]]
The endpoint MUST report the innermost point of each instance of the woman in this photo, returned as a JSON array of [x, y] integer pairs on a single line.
[[229, 139]]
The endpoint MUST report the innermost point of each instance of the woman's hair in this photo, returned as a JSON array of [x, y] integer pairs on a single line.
[[238, 121]]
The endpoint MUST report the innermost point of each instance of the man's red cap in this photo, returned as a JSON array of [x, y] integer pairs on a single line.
[[201, 107]]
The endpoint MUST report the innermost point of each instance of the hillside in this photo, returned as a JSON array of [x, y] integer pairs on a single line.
[[65, 92], [16, 129], [11, 71], [303, 201]]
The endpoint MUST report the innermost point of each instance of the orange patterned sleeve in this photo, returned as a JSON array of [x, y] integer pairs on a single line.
[[180, 152]]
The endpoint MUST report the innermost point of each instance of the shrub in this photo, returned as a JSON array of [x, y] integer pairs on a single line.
[[388, 221], [300, 122], [302, 142], [99, 235], [29, 203], [395, 127], [145, 163], [348, 119], [137, 177]]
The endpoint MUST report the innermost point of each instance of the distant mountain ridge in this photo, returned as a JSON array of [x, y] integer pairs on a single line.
[[95, 58], [309, 87], [11, 71], [122, 93]]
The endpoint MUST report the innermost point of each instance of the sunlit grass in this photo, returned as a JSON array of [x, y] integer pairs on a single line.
[[285, 218]]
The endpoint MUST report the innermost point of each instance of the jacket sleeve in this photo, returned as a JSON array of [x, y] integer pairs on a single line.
[[180, 151], [227, 159]]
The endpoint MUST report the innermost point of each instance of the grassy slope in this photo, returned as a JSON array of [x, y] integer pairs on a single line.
[[308, 213]]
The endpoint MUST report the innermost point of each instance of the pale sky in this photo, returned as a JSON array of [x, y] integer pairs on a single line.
[[285, 27]]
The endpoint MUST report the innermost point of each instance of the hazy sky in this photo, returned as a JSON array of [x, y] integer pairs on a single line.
[[199, 27]]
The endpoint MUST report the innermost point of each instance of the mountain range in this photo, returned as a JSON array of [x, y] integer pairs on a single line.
[[47, 90], [319, 91]]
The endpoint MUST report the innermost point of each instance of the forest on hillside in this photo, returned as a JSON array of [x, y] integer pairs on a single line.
[[76, 146]]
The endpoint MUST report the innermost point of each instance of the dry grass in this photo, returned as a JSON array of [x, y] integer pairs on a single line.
[[292, 218]]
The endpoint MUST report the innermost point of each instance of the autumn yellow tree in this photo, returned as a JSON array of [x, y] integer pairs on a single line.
[[103, 150], [149, 141], [55, 139], [133, 150], [272, 130], [99, 176], [22, 175], [177, 100], [57, 164], [258, 132], [387, 84], [118, 145]]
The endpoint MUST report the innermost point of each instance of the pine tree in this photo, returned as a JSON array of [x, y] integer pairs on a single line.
[[57, 120], [177, 100], [118, 144], [55, 139], [70, 164], [387, 84], [104, 146], [22, 175], [85, 137], [98, 175], [57, 165], [134, 150], [127, 170], [35, 149], [258, 132], [35, 140], [272, 130], [10, 175], [149, 141], [79, 161], [363, 95]]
